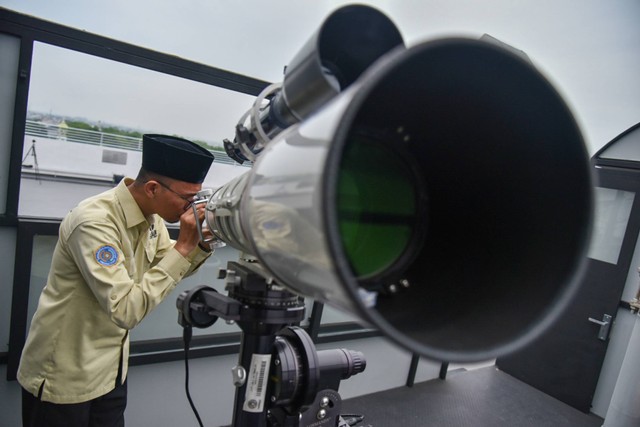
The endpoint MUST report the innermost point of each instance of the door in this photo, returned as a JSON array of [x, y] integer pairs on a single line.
[[565, 362]]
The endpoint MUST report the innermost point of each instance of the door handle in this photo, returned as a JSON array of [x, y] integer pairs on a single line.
[[598, 322], [605, 326]]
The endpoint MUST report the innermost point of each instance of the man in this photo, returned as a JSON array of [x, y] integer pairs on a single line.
[[113, 263]]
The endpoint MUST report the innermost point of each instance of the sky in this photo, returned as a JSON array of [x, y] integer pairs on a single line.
[[588, 49]]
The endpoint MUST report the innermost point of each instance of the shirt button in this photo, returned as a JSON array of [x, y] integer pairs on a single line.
[[114, 297]]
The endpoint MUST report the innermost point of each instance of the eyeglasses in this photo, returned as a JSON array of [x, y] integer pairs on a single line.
[[188, 199]]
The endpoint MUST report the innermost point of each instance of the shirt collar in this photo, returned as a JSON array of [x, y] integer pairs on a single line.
[[132, 213]]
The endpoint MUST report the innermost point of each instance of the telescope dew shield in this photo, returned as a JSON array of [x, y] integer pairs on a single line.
[[444, 198]]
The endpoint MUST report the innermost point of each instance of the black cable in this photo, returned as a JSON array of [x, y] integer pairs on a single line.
[[186, 337]]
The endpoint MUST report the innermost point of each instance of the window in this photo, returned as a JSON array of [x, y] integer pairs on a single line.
[[160, 323], [86, 116], [612, 210], [625, 148]]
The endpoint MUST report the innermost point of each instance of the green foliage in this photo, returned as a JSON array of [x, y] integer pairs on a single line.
[[107, 129], [122, 132], [80, 125], [207, 146]]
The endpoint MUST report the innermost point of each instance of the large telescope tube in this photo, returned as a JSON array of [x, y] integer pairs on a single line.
[[444, 198]]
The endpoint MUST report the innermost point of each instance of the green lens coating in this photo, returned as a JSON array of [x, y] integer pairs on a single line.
[[376, 205]]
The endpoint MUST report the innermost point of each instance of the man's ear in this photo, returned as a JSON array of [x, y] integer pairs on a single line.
[[150, 188]]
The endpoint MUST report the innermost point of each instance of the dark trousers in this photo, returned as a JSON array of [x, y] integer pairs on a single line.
[[104, 411]]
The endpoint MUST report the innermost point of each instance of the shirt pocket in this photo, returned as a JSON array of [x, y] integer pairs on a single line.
[[151, 248]]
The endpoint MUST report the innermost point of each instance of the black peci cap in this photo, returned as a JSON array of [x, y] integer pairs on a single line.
[[175, 158]]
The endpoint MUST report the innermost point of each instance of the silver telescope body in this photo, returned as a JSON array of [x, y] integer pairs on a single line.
[[444, 198]]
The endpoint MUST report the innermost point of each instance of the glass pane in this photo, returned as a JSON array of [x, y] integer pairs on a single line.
[[9, 52], [612, 210], [331, 315], [7, 258], [160, 323], [86, 116], [163, 321], [626, 148], [40, 264]]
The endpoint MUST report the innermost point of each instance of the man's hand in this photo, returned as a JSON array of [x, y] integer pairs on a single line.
[[189, 236]]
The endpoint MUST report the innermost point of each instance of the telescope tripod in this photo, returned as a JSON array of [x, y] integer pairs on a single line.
[[281, 380], [32, 151]]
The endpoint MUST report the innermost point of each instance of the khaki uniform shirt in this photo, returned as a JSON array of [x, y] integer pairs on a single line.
[[110, 268]]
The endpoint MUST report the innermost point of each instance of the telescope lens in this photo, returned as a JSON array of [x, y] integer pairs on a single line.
[[376, 205]]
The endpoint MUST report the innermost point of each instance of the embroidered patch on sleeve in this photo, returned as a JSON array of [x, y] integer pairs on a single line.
[[107, 255]]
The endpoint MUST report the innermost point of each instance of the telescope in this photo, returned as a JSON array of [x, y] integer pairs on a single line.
[[441, 194]]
